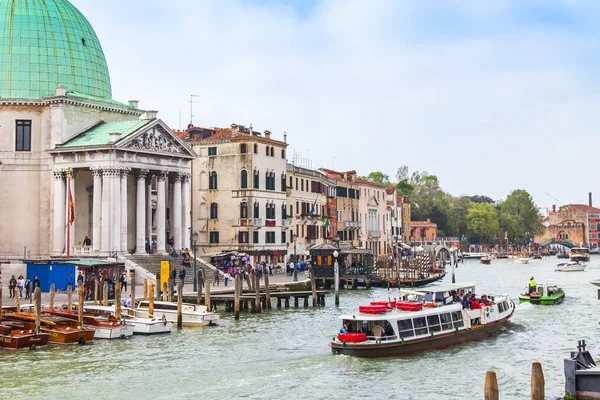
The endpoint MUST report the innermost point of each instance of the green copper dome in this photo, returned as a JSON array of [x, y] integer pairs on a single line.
[[46, 43]]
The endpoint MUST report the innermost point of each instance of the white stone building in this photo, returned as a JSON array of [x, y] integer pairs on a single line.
[[393, 227], [373, 211], [239, 192]]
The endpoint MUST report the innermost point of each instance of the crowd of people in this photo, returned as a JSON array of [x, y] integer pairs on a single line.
[[470, 300], [21, 283]]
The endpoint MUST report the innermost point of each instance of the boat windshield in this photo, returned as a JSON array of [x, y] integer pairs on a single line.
[[381, 329]]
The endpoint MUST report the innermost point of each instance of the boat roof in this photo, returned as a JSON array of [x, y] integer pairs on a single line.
[[396, 314], [100, 308], [440, 288], [170, 303]]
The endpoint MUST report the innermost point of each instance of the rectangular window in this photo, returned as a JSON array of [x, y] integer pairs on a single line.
[[283, 237], [255, 237], [23, 135], [214, 237], [269, 237], [420, 326], [405, 327], [446, 320], [212, 151], [243, 237], [214, 211], [457, 319]]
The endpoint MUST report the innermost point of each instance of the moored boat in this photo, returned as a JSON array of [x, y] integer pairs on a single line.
[[522, 260], [61, 330], [192, 314], [544, 295], [107, 327], [486, 260], [14, 335], [580, 254], [570, 267], [562, 254], [433, 319], [142, 325]]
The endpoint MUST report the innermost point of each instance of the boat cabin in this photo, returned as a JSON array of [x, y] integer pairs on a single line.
[[168, 306]]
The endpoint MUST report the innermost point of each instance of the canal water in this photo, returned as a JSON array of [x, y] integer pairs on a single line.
[[284, 354]]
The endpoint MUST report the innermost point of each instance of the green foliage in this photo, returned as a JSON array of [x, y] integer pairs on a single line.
[[481, 199], [482, 222], [458, 207], [519, 216], [404, 188], [377, 177]]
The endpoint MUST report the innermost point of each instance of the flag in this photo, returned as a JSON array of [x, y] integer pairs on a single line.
[[71, 203], [327, 224], [312, 209], [37, 330]]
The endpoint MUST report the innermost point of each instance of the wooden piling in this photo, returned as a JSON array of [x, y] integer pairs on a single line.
[[105, 294], [207, 294], [199, 292], [267, 291], [117, 300], [145, 289], [287, 302], [37, 308], [69, 297], [306, 301], [132, 287], [30, 291], [0, 302], [169, 292], [279, 302], [17, 302], [80, 294], [257, 292], [248, 281], [96, 290], [151, 300], [165, 294], [52, 296], [313, 286], [179, 296], [490, 389], [537, 382], [296, 302], [237, 283]]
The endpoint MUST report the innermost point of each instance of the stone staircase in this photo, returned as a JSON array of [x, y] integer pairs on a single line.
[[151, 263]]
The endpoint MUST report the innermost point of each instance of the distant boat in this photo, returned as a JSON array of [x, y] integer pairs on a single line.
[[562, 254], [580, 254], [570, 267], [522, 260], [486, 260], [537, 256], [472, 256]]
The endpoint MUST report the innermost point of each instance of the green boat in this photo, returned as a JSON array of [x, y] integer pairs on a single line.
[[545, 295]]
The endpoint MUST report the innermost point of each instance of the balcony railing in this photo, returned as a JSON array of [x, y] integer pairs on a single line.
[[257, 222], [374, 234], [285, 223]]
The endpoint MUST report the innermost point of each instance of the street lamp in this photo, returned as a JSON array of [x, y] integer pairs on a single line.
[[295, 262], [336, 282], [195, 241]]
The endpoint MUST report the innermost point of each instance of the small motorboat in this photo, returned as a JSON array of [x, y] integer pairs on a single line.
[[537, 256], [15, 335], [191, 314], [142, 325], [580, 254], [522, 260], [544, 295], [570, 267], [486, 260]]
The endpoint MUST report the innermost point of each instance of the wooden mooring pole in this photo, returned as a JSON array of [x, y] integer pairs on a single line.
[[151, 300], [117, 300], [267, 291], [80, 294], [17, 303], [37, 308], [0, 302], [313, 286], [30, 291], [145, 289], [207, 293], [165, 292], [257, 307], [179, 296], [490, 389], [132, 287], [537, 382], [96, 292], [199, 292], [105, 294], [236, 302], [69, 297]]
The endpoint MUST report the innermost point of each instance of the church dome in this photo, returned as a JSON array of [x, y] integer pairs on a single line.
[[47, 43]]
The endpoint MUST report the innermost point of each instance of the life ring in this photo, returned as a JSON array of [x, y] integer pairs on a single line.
[[430, 305], [536, 293]]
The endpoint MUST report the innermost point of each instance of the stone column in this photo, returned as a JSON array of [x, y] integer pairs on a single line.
[[187, 218], [59, 212], [140, 215], [66, 207], [116, 210], [176, 211], [161, 213], [149, 208], [106, 218], [124, 224], [97, 210]]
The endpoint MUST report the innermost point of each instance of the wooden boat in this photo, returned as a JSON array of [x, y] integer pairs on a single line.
[[502, 256], [14, 335], [570, 267], [544, 295], [537, 256], [522, 260], [61, 330], [192, 314], [107, 327], [432, 319], [141, 324], [562, 254], [486, 260], [580, 254]]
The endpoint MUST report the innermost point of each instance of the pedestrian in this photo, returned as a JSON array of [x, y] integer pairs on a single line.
[[182, 275], [27, 287], [69, 281], [123, 281], [12, 284], [216, 282], [80, 279], [226, 277], [36, 282], [20, 285], [87, 241], [148, 245]]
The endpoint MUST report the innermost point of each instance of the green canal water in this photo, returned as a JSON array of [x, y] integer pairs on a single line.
[[283, 354]]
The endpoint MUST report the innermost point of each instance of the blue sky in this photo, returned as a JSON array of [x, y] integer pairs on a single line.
[[490, 96]]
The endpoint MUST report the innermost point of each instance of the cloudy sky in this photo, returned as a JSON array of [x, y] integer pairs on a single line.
[[490, 96]]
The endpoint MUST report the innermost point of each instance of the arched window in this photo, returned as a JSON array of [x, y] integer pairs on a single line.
[[243, 210], [244, 179], [283, 212], [283, 183], [212, 181], [243, 148], [256, 179], [256, 213]]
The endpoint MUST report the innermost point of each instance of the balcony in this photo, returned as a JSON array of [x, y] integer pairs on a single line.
[[270, 222], [374, 234], [285, 223], [352, 225], [257, 222]]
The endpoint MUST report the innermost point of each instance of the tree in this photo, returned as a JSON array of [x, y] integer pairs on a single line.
[[378, 177], [404, 188], [481, 199], [403, 174], [519, 216], [458, 207], [482, 222], [429, 201]]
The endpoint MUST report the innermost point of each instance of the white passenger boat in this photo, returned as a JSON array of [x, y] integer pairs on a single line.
[[522, 260], [570, 267], [192, 314], [580, 254], [433, 319], [142, 324]]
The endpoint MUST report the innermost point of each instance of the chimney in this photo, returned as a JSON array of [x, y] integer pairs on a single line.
[[268, 134], [553, 207], [284, 137], [234, 130], [428, 220], [151, 114], [61, 90], [134, 103], [114, 136], [590, 196]]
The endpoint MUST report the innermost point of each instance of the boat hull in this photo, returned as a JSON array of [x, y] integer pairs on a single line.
[[522, 261], [570, 268], [78, 336], [189, 319], [116, 332], [543, 300], [153, 328], [436, 342], [24, 341]]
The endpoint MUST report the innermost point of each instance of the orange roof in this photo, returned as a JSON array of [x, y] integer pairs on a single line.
[[367, 182], [225, 134], [423, 224], [390, 190], [582, 207]]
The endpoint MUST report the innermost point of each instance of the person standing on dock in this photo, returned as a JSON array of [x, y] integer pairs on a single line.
[[216, 282], [12, 284], [69, 281], [226, 277], [182, 275]]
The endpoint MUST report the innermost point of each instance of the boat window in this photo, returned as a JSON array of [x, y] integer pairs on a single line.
[[427, 297], [434, 323], [166, 307], [405, 327], [439, 297], [501, 307], [457, 319], [420, 326], [505, 305], [446, 320]]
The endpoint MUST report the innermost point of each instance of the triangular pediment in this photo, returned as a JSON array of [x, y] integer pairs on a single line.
[[156, 137], [373, 202]]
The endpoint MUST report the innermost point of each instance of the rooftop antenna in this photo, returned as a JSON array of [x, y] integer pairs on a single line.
[[192, 101]]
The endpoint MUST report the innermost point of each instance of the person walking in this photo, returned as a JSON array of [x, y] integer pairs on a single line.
[[27, 287], [20, 285], [36, 282], [12, 284], [216, 282], [80, 279], [226, 277]]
